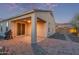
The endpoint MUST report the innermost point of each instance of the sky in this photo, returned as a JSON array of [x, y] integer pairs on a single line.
[[63, 13]]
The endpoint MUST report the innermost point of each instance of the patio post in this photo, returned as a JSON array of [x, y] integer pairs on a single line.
[[34, 29]]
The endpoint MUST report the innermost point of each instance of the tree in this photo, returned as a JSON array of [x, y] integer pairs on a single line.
[[75, 22]]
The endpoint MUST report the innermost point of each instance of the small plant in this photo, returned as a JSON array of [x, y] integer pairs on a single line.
[[4, 51]]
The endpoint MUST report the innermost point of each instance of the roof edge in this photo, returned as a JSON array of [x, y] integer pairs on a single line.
[[25, 13]]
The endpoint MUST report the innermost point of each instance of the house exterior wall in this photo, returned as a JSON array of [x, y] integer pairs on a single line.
[[29, 29], [40, 29], [49, 26], [50, 22], [41, 32]]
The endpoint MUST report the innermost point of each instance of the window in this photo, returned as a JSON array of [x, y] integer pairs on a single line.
[[1, 28], [6, 29], [20, 29], [7, 24], [48, 27], [23, 29]]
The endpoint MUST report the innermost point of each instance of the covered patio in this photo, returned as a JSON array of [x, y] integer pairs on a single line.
[[29, 28], [35, 24]]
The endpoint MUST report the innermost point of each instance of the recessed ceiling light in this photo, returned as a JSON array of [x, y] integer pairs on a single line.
[[29, 21]]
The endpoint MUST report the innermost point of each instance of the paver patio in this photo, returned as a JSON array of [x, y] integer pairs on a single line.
[[17, 45], [21, 45]]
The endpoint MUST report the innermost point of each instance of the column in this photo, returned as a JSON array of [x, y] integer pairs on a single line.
[[34, 29]]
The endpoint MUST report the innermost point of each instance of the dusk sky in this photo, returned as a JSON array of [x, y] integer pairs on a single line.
[[62, 12]]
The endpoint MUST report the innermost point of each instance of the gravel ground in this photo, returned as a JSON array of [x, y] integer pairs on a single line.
[[58, 36], [60, 47]]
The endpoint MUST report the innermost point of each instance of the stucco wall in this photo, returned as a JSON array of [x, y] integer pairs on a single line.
[[40, 29], [50, 22]]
